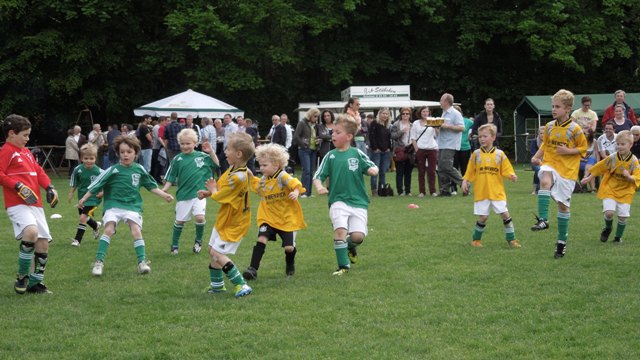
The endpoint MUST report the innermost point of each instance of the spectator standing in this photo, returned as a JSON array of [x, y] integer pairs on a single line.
[[158, 132], [171, 137], [424, 141], [324, 130], [401, 136], [145, 136], [380, 148], [71, 151], [487, 116], [97, 139], [448, 144], [307, 141], [113, 133], [461, 160]]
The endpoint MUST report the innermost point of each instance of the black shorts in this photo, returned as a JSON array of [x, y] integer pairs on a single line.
[[271, 232], [87, 210]]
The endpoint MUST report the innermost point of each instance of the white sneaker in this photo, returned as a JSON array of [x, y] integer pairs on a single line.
[[197, 248], [421, 195], [434, 194], [454, 193], [143, 267], [96, 232], [75, 243], [174, 251], [97, 268]]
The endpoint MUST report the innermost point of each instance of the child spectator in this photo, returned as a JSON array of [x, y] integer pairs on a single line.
[[122, 201], [20, 177], [487, 166], [279, 212], [621, 178], [562, 147], [83, 175], [234, 215], [189, 170], [348, 200]]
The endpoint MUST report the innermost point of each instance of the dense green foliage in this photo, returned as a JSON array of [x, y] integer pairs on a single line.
[[266, 56], [418, 291]]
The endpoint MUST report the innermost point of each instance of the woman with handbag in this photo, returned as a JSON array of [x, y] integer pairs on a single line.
[[400, 134], [380, 148], [424, 142]]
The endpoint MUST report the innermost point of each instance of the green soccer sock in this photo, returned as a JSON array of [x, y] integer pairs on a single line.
[[199, 232], [138, 245], [25, 255], [175, 239], [478, 230], [103, 245], [563, 225], [342, 253], [233, 274], [509, 230], [37, 276], [620, 228], [350, 244], [544, 197], [217, 278], [608, 223]]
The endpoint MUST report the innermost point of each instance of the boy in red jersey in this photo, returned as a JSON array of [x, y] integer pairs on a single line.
[[20, 177]]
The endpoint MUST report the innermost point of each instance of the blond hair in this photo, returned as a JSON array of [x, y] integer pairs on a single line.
[[348, 123], [275, 153], [565, 97], [242, 142], [625, 135], [88, 150], [635, 129], [492, 129], [310, 113], [189, 134]]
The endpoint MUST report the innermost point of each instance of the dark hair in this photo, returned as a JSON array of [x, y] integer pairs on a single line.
[[333, 117], [585, 99], [418, 111], [350, 102], [133, 143], [14, 122]]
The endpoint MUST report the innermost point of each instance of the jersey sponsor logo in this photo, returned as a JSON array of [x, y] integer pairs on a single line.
[[199, 162], [135, 179], [92, 177], [353, 164]]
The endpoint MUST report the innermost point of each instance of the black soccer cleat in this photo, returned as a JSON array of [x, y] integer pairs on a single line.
[[541, 224], [604, 235], [250, 274], [39, 288], [560, 250], [21, 284]]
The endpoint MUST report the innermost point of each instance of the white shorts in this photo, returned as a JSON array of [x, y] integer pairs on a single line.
[[562, 188], [347, 217], [221, 246], [623, 210], [22, 216], [116, 215], [482, 207], [186, 208]]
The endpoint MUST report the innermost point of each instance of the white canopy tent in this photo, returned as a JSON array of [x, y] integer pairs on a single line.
[[188, 103]]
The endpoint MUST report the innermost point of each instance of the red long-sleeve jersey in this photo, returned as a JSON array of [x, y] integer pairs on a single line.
[[18, 165]]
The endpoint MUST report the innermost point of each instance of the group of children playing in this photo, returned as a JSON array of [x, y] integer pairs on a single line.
[[340, 175]]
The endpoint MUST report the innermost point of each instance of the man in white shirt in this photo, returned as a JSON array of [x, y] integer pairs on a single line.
[[96, 138], [275, 121], [449, 141], [284, 120]]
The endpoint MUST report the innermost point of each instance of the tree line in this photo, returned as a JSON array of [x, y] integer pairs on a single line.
[[264, 57]]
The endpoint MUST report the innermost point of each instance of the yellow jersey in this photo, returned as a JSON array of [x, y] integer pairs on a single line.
[[234, 215], [569, 134], [485, 170], [276, 209], [614, 185]]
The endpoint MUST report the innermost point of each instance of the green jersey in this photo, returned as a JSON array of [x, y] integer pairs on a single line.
[[82, 178], [189, 172], [345, 171], [121, 185]]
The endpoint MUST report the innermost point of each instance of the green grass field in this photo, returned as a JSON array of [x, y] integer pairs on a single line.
[[418, 290]]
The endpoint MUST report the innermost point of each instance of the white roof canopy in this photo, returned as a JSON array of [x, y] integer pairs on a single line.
[[188, 103], [372, 104]]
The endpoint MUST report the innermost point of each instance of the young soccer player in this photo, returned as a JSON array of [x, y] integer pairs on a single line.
[[234, 214], [279, 212], [621, 178], [190, 169], [83, 175], [487, 166], [20, 176], [559, 156], [122, 201], [344, 167]]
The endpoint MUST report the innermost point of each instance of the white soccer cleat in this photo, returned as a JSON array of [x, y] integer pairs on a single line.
[[96, 232], [75, 243], [143, 267], [97, 268]]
